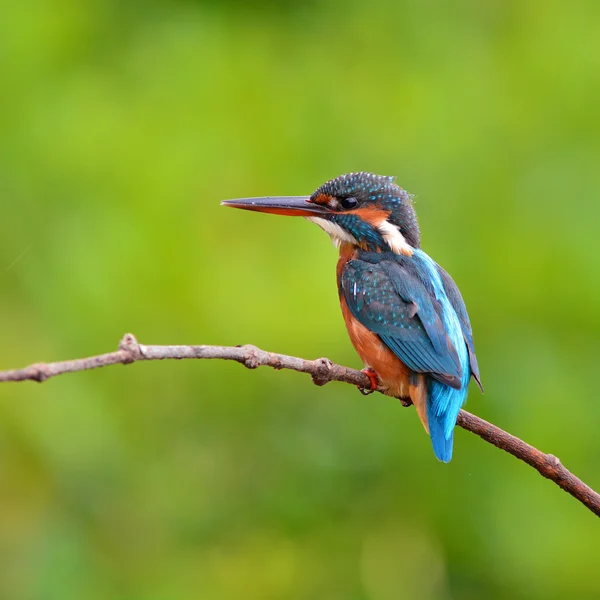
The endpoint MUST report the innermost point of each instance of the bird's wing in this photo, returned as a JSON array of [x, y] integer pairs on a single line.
[[393, 303], [458, 304]]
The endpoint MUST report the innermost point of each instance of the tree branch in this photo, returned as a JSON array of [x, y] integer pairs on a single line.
[[322, 371]]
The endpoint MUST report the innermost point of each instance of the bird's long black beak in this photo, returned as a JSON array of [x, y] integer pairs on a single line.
[[296, 206]]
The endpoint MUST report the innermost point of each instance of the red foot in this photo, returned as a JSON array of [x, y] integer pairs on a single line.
[[370, 373]]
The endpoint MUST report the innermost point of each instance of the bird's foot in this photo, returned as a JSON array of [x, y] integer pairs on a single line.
[[370, 373]]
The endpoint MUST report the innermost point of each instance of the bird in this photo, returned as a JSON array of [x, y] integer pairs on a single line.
[[404, 314]]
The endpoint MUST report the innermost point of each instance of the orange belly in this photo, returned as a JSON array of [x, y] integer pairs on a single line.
[[395, 378]]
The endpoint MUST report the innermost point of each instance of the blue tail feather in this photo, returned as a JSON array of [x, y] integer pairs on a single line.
[[442, 446], [443, 406]]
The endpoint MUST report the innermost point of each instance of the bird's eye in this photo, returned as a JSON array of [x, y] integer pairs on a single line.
[[348, 203]]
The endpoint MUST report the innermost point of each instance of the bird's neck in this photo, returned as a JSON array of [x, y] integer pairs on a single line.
[[374, 235], [406, 221], [347, 253]]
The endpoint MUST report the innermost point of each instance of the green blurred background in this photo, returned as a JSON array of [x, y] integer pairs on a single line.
[[122, 127]]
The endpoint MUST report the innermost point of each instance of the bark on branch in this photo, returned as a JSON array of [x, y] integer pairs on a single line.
[[322, 370]]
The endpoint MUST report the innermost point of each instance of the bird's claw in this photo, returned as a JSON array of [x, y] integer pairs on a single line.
[[370, 373]]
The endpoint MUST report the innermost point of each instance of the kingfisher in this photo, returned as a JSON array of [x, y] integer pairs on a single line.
[[404, 314]]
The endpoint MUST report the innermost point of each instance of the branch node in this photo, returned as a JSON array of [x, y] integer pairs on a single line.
[[322, 372], [130, 346], [39, 372], [553, 461], [251, 358]]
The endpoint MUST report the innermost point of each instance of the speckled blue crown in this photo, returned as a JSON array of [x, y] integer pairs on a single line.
[[366, 185]]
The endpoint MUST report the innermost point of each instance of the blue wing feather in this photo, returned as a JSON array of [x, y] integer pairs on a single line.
[[383, 298], [456, 299]]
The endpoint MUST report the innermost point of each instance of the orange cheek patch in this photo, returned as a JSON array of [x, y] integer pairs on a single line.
[[373, 215]]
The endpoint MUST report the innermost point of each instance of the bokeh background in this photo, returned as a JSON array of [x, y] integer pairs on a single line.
[[122, 127]]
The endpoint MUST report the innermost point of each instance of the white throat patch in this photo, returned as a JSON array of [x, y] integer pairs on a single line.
[[336, 233]]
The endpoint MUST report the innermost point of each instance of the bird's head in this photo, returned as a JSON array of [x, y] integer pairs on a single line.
[[362, 209]]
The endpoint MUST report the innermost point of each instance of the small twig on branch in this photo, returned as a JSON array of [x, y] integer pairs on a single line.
[[322, 371]]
